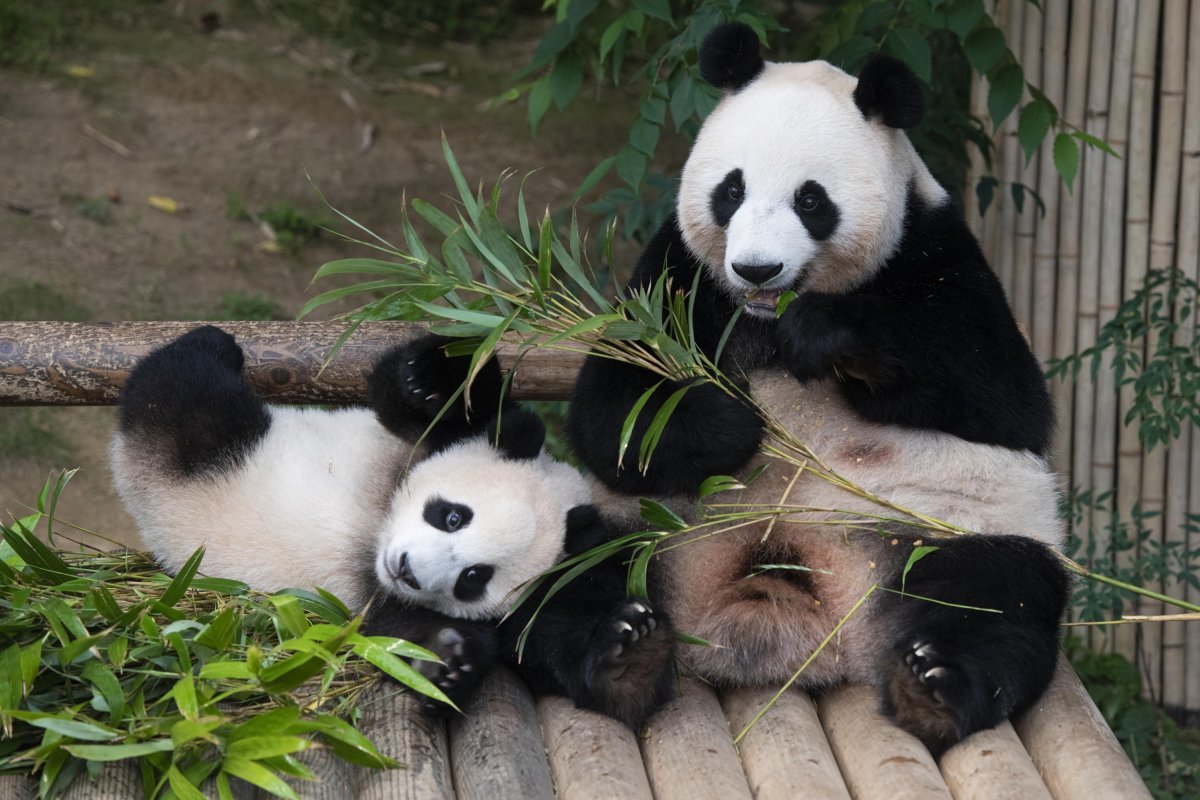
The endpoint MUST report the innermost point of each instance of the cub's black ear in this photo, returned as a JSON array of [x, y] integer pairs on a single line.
[[889, 89], [729, 56], [518, 433], [585, 530]]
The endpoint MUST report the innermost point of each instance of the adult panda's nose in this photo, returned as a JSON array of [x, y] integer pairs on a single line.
[[758, 274], [400, 570]]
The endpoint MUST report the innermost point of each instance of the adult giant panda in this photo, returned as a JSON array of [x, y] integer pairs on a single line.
[[898, 363], [285, 497]]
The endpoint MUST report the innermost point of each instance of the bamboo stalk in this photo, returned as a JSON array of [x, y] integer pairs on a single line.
[[1027, 220], [1011, 162], [1130, 488], [1105, 431], [1086, 314], [1045, 241], [1187, 448], [1070, 215], [1162, 256]]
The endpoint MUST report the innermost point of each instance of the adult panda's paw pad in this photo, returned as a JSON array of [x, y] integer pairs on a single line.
[[457, 673], [928, 694]]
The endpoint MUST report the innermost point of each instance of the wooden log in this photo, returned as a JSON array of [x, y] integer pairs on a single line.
[[785, 755], [1104, 442], [496, 747], [1045, 241], [688, 749], [17, 787], [391, 719], [593, 757], [331, 776], [992, 765], [1086, 319], [877, 759], [1143, 639], [72, 363], [1070, 217], [1072, 746], [1187, 449], [118, 780], [1155, 494]]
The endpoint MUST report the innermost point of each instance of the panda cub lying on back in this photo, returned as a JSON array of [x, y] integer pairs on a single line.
[[283, 497], [898, 364]]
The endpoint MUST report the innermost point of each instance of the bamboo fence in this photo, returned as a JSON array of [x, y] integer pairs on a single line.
[[1127, 72]]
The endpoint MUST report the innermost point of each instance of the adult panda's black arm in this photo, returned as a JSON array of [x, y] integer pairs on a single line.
[[929, 342], [591, 641], [411, 384], [709, 432], [951, 671], [188, 401]]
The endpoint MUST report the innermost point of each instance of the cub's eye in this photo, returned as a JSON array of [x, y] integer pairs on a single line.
[[453, 520], [472, 582], [734, 191], [447, 516], [808, 202]]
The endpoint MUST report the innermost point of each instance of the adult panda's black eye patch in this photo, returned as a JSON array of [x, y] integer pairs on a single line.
[[819, 214], [447, 516], [472, 582], [727, 197]]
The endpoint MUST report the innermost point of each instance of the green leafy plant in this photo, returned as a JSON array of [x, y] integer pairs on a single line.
[[105, 658]]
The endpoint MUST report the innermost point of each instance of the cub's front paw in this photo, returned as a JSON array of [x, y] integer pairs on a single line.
[[210, 341], [617, 645], [464, 662], [932, 695], [812, 338], [628, 670], [419, 375]]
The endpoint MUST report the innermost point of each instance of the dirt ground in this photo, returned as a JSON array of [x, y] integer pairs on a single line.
[[156, 107]]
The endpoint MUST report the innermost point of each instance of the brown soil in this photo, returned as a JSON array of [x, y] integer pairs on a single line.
[[246, 111]]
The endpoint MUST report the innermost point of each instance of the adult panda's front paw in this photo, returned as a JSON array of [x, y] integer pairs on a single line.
[[812, 337], [464, 660], [934, 696]]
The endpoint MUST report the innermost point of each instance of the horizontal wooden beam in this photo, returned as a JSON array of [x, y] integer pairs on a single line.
[[86, 363]]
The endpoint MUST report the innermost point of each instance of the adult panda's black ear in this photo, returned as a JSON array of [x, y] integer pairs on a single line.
[[729, 56], [585, 530], [889, 89], [518, 433]]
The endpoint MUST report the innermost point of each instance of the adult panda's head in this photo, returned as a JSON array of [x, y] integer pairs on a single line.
[[472, 523], [798, 178]]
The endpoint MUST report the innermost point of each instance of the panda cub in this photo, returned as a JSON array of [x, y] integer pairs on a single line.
[[898, 363], [285, 497]]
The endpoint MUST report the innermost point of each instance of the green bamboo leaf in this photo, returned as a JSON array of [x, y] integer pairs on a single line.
[[598, 172], [183, 788], [11, 682], [364, 266], [916, 555], [483, 353], [661, 517], [346, 741], [344, 291], [480, 318], [609, 38], [260, 776], [107, 687], [71, 728], [630, 420], [719, 483], [285, 719], [184, 693], [687, 638], [491, 258], [460, 182], [118, 752], [439, 219], [226, 670], [218, 634], [400, 670], [578, 566], [574, 271], [256, 748], [1066, 159], [638, 583], [584, 326], [658, 425], [183, 579], [289, 614], [398, 647]]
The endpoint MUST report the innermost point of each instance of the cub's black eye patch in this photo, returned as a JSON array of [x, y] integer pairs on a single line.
[[819, 214], [727, 197], [447, 516], [472, 582]]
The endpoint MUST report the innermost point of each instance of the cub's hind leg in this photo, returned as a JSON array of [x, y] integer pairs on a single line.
[[188, 406]]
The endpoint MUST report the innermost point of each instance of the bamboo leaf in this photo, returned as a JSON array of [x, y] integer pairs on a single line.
[[256, 748], [719, 483], [118, 752], [658, 425], [630, 420], [398, 669], [183, 579], [460, 182], [916, 555], [107, 687], [181, 786], [661, 517], [260, 776], [638, 583]]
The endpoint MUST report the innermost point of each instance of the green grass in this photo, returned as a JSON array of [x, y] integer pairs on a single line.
[[26, 300], [242, 306], [26, 433]]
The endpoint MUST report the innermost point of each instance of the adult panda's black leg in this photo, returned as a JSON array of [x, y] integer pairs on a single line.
[[188, 402], [468, 649], [708, 433], [605, 650], [411, 384], [951, 671]]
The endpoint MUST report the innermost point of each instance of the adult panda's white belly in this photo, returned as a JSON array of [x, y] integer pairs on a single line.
[[303, 510], [764, 624]]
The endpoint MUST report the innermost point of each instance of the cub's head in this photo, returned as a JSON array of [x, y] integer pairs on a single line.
[[798, 178], [472, 523]]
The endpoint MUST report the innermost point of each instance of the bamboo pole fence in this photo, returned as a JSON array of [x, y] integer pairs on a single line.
[[1126, 72]]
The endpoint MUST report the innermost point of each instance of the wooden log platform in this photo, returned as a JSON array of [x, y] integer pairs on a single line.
[[512, 745]]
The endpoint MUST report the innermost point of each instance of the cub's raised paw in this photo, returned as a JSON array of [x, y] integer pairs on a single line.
[[463, 664], [629, 666], [931, 695], [628, 638]]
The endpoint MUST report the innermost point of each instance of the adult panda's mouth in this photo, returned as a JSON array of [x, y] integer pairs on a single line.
[[763, 300]]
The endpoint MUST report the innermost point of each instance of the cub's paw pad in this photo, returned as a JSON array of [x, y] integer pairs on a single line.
[[210, 340], [634, 621], [423, 375], [455, 675]]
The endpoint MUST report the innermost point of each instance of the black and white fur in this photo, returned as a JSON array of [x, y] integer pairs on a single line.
[[898, 363], [283, 497]]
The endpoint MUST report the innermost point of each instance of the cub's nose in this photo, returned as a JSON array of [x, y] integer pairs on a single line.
[[758, 274], [400, 570]]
